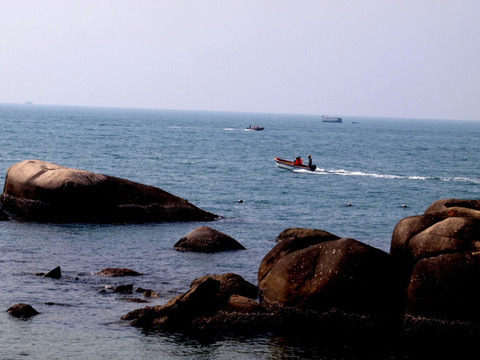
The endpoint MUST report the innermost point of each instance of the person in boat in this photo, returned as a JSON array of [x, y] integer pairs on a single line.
[[310, 165], [298, 161]]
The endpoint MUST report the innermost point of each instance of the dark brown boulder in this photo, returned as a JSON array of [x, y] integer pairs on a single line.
[[455, 207], [320, 275], [206, 239], [291, 240], [307, 236], [114, 272], [211, 305], [230, 284], [439, 251], [124, 289], [22, 310], [42, 191], [178, 313], [446, 286]]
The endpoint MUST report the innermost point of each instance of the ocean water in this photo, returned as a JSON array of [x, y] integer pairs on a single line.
[[386, 169]]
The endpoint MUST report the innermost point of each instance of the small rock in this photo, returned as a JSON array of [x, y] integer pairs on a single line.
[[54, 274], [118, 272], [147, 292], [124, 289], [206, 239], [22, 311]]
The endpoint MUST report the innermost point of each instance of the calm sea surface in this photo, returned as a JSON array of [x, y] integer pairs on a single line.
[[377, 165]]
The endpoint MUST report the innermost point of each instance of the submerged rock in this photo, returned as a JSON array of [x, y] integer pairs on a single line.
[[54, 273], [206, 239], [22, 310], [42, 191], [114, 272]]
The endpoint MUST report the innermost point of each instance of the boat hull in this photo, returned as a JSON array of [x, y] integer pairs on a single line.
[[331, 119]]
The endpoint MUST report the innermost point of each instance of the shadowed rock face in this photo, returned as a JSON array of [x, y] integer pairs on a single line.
[[212, 304], [42, 191], [440, 253], [319, 271]]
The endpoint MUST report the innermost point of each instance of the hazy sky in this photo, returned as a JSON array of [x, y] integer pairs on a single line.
[[399, 58]]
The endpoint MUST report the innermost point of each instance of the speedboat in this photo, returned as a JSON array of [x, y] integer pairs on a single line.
[[255, 128], [289, 165]]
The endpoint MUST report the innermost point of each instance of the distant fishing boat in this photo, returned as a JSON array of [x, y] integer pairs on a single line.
[[290, 165], [255, 128], [331, 119]]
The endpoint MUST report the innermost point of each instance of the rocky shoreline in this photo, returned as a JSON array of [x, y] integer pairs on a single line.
[[310, 283]]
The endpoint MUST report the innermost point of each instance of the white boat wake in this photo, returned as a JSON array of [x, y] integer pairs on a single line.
[[342, 172]]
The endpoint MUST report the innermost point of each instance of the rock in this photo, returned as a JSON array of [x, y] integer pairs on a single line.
[[209, 306], [147, 293], [178, 313], [230, 284], [444, 286], [54, 273], [206, 239], [291, 240], [455, 207], [114, 272], [42, 191], [124, 289], [318, 274], [242, 304], [440, 253], [3, 216], [22, 311], [306, 236]]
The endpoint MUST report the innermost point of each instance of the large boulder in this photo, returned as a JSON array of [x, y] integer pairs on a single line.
[[328, 273], [206, 239], [39, 190], [291, 240], [440, 251], [212, 304]]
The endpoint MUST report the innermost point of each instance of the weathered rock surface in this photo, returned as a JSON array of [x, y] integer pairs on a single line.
[[42, 191], [291, 240], [206, 239], [313, 283], [114, 272], [230, 284], [22, 310], [440, 254], [325, 272], [210, 305]]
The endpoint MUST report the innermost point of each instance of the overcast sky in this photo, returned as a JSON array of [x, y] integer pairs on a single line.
[[395, 58]]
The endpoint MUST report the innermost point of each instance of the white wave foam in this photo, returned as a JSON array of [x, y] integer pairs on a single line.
[[342, 172]]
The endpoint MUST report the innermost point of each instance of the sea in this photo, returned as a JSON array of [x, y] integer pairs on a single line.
[[371, 173]]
